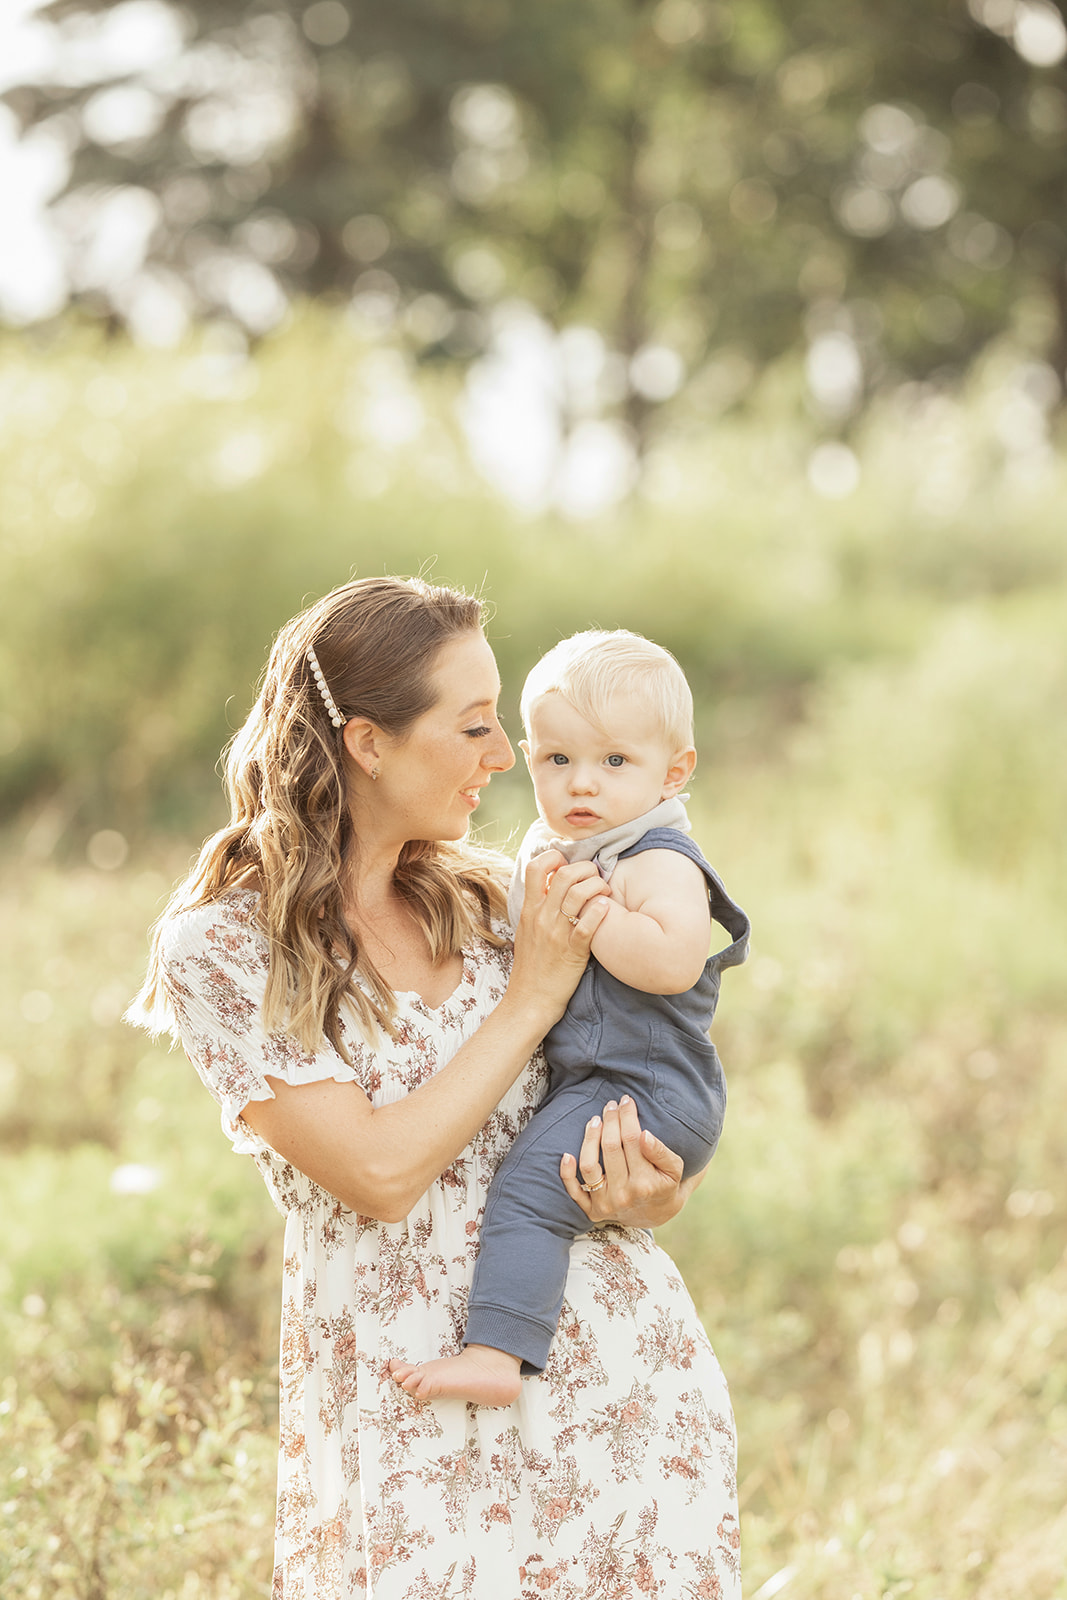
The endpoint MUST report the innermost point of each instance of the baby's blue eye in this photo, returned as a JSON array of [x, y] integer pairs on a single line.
[[558, 761], [616, 761]]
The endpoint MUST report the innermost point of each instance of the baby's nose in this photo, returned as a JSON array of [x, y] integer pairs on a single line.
[[583, 780]]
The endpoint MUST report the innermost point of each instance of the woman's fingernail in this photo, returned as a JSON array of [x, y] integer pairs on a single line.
[[625, 1101], [612, 1105], [594, 1122]]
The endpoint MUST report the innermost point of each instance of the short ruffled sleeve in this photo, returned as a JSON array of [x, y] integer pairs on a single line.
[[214, 970]]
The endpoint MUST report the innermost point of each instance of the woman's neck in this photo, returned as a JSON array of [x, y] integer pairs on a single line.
[[371, 888], [392, 937]]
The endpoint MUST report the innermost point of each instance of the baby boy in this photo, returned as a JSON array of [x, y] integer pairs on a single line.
[[609, 719]]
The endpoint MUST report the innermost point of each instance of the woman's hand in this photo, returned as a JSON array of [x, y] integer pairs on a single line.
[[643, 1185], [564, 905]]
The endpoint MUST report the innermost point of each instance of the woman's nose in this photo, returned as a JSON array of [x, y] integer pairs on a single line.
[[501, 757]]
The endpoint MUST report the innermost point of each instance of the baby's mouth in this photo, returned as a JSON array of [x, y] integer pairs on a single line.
[[581, 818]]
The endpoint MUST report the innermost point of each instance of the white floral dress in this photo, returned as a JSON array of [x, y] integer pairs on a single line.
[[612, 1476]]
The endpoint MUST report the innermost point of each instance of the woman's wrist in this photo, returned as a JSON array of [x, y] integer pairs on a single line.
[[527, 1019], [653, 1213]]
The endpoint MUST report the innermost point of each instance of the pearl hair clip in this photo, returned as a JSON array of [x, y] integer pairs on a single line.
[[327, 698]]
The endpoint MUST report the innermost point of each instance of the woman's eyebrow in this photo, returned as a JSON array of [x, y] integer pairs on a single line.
[[475, 705]]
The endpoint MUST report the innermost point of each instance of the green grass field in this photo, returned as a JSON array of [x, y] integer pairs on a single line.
[[879, 1250]]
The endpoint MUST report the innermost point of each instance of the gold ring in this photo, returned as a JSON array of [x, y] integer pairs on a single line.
[[591, 1188], [572, 920]]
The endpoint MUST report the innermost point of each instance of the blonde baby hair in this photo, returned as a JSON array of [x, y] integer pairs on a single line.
[[589, 669]]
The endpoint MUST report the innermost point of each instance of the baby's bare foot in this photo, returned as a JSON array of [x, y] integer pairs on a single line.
[[487, 1377]]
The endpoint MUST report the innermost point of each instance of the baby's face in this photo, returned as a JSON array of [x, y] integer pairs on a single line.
[[588, 779]]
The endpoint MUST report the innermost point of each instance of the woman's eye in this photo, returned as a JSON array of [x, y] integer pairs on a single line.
[[478, 733], [558, 761], [616, 761]]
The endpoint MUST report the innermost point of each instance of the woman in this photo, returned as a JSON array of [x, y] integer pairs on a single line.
[[339, 970]]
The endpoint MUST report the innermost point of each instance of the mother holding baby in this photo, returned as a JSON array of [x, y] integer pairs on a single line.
[[340, 969]]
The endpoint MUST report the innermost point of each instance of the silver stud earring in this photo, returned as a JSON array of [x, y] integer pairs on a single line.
[[376, 773]]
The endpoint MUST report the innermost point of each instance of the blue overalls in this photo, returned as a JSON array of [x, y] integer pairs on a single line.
[[612, 1040]]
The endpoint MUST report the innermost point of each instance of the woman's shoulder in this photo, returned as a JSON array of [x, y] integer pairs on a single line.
[[501, 929], [210, 954], [225, 928]]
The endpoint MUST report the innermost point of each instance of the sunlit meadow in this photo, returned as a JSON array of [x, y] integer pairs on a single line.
[[879, 1250]]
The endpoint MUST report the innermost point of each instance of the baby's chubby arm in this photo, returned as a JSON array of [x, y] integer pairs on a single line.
[[657, 930]]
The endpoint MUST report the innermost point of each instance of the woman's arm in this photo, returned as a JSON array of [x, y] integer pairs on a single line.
[[644, 1187], [380, 1160]]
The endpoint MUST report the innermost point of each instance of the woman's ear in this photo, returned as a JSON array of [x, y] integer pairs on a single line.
[[679, 772], [362, 741]]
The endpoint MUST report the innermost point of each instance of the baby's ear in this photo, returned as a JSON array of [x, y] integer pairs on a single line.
[[679, 772], [524, 746]]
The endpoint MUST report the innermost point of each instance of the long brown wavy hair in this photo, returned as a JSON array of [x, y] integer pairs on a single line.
[[290, 834]]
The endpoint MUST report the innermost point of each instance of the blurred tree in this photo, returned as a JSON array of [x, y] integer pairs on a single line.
[[705, 185]]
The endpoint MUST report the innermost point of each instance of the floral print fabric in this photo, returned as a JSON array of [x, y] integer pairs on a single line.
[[611, 1477]]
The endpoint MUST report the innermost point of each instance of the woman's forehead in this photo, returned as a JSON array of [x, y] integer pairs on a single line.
[[466, 673]]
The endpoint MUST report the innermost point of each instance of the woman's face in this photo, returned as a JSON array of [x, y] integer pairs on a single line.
[[431, 778]]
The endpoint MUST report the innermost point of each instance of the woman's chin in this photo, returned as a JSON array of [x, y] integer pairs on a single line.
[[448, 832]]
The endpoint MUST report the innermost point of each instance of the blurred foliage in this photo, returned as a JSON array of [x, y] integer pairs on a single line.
[[162, 513], [694, 180], [136, 1415], [879, 1249]]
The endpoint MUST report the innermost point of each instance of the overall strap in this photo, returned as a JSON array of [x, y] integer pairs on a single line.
[[725, 911]]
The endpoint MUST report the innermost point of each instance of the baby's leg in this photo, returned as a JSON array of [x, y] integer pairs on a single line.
[[524, 1251]]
